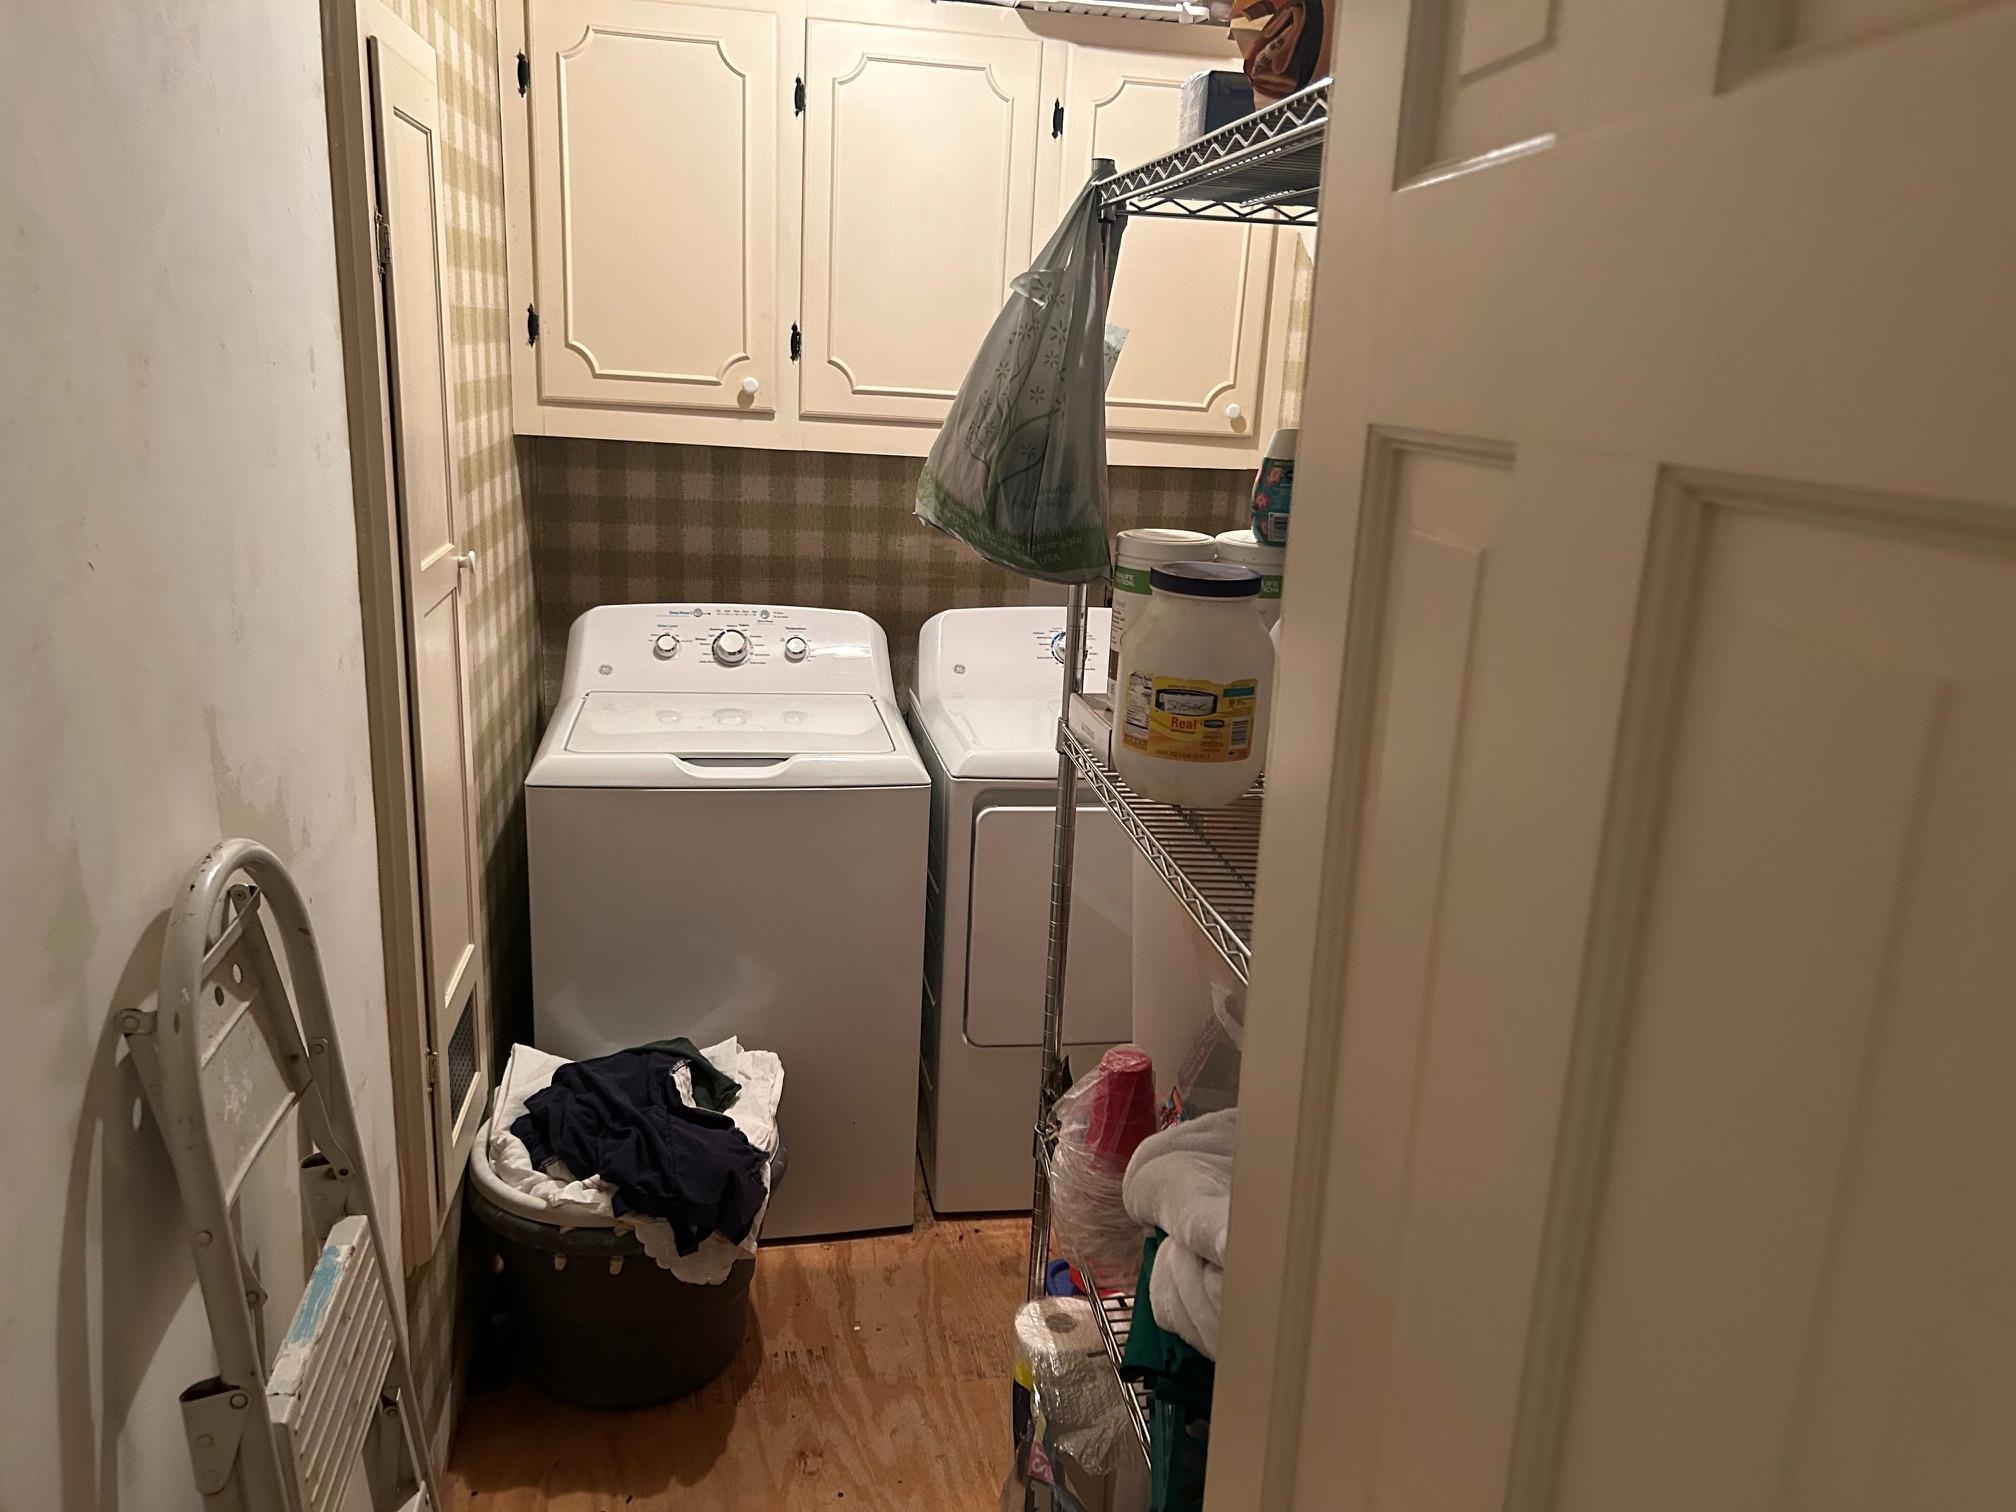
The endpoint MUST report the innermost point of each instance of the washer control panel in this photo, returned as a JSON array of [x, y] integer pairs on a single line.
[[751, 647]]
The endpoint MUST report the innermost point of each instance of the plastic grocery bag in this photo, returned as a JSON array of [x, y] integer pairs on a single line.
[[1019, 471]]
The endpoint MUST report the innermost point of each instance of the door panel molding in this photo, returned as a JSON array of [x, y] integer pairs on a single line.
[[609, 79], [869, 218], [1686, 505], [383, 112], [575, 342], [1202, 378]]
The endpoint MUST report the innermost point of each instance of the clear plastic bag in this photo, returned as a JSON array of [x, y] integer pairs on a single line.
[[1019, 470], [1091, 1222]]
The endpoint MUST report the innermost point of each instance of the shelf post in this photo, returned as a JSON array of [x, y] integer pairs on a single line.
[[1063, 849], [1064, 844]]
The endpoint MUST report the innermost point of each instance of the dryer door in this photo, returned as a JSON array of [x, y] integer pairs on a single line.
[[1007, 943]]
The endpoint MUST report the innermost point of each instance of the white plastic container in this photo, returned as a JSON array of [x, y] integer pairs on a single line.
[[1248, 550], [1196, 678], [1135, 552]]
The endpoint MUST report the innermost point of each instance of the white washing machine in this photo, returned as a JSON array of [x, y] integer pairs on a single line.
[[985, 713], [727, 822]]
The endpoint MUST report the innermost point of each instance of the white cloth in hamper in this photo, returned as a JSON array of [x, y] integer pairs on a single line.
[[1180, 1181], [1187, 1296], [590, 1201]]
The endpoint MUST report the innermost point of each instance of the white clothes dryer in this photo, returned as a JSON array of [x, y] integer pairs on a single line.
[[984, 710]]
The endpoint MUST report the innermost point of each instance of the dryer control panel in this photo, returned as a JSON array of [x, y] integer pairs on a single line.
[[1015, 651], [714, 646]]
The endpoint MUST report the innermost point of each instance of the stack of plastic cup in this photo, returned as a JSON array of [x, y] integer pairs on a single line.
[[1123, 1107]]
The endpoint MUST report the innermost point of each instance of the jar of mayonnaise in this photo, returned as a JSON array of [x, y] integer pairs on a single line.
[[1196, 676]]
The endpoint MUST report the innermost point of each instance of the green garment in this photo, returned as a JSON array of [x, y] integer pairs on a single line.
[[712, 1089], [1179, 1382]]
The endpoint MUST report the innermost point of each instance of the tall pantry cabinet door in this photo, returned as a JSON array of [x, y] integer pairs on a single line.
[[920, 197], [654, 164], [1192, 295]]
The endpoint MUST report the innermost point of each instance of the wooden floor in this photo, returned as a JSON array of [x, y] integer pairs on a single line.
[[875, 1375]]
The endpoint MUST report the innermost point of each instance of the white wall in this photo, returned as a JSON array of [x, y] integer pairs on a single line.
[[179, 659]]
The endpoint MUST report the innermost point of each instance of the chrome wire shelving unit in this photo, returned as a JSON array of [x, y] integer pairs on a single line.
[[1209, 859], [1262, 170]]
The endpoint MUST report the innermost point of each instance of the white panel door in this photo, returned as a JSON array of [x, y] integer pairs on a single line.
[[438, 567], [655, 173], [920, 199], [1639, 1034], [1192, 294]]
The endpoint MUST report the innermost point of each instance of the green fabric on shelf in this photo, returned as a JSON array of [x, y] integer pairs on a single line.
[[712, 1089], [1179, 1382]]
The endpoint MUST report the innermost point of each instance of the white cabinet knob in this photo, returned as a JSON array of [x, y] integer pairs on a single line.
[[1234, 413], [467, 561], [750, 386]]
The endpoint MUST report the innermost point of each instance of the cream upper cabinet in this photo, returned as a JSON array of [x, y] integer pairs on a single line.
[[790, 223], [654, 143], [1192, 295], [920, 205]]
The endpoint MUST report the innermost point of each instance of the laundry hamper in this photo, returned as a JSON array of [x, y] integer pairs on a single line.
[[593, 1319]]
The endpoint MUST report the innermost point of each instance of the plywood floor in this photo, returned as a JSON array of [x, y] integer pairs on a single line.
[[875, 1376]]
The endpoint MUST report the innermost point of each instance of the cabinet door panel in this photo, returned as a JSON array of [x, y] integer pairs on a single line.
[[1192, 295], [654, 152], [920, 190]]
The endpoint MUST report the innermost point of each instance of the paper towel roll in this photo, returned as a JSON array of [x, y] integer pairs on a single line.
[[1052, 1330], [1059, 1354]]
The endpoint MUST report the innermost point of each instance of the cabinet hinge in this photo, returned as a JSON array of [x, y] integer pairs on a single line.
[[797, 342], [433, 1072], [1056, 118], [531, 325], [384, 228], [798, 98], [524, 74]]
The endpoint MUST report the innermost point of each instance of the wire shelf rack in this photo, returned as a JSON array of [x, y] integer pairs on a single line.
[[1208, 857], [1115, 1314], [1261, 168]]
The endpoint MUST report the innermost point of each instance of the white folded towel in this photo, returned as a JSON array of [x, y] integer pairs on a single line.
[[589, 1202], [1180, 1181], [1187, 1296]]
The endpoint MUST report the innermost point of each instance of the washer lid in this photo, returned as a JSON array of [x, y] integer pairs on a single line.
[[703, 725]]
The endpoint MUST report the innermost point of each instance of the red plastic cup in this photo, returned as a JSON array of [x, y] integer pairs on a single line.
[[1123, 1107]]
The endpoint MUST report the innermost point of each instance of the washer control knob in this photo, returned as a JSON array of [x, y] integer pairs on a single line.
[[1057, 648], [796, 649], [731, 648], [665, 647]]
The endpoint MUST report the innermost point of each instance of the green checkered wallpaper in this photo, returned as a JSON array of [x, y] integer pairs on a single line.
[[617, 522], [502, 625]]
